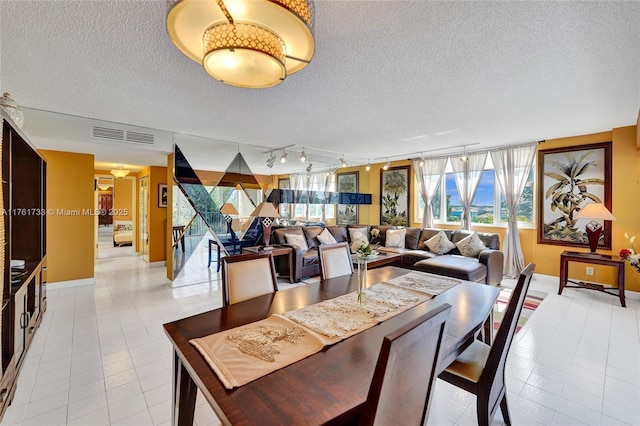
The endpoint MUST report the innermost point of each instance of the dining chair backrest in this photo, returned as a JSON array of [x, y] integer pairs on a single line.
[[335, 260], [404, 377], [245, 276], [492, 376]]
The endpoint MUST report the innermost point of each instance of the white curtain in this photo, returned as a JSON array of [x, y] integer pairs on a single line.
[[467, 175], [297, 182], [319, 182], [429, 176], [512, 166]]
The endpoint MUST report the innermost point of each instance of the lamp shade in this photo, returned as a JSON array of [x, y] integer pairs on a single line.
[[595, 211], [228, 208], [265, 209]]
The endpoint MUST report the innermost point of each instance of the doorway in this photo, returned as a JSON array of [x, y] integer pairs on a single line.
[[114, 205]]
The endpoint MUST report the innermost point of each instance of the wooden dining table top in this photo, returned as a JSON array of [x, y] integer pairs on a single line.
[[330, 386]]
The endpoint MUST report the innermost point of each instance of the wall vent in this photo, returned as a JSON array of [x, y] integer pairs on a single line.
[[119, 135]]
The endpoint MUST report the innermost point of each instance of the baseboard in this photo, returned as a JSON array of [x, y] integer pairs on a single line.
[[72, 283], [157, 264]]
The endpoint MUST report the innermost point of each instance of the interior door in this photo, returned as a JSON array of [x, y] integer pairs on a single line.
[[143, 235]]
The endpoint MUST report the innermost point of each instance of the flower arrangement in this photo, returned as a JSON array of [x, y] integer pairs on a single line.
[[369, 249], [630, 253]]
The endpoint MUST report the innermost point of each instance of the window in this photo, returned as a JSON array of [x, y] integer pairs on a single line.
[[488, 206]]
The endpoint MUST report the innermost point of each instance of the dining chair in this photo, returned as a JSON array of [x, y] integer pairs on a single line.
[[245, 276], [404, 377], [178, 235], [335, 260], [480, 368]]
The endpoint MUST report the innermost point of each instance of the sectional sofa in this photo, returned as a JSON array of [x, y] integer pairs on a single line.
[[483, 265]]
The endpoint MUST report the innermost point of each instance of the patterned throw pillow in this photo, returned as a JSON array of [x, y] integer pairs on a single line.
[[471, 246], [439, 243], [395, 238], [358, 237], [297, 240], [325, 237]]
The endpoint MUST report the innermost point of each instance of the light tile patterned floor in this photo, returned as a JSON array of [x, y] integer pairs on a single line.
[[101, 356]]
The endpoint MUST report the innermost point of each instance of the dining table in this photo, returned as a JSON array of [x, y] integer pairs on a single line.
[[328, 387]]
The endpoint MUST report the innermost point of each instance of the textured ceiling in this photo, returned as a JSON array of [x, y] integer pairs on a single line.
[[389, 78]]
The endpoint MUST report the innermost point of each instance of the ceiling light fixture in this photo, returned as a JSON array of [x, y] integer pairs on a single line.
[[343, 163], [120, 172], [464, 158], [283, 158], [386, 165], [308, 169], [303, 156], [271, 160], [368, 166], [252, 44], [421, 161]]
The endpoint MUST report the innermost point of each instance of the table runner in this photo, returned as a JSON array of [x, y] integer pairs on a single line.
[[425, 282], [243, 354]]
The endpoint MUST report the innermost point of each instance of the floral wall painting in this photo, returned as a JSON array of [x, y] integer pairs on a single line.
[[568, 179], [395, 193], [347, 214]]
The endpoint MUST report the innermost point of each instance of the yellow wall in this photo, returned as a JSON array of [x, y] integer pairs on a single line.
[[625, 202], [168, 249], [123, 198], [70, 238], [157, 216]]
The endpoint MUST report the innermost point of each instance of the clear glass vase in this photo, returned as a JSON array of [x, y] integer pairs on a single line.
[[362, 280]]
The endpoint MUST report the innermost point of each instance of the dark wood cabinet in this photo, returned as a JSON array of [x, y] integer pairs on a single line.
[[23, 239]]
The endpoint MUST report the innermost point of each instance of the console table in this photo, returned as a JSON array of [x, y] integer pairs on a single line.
[[592, 259]]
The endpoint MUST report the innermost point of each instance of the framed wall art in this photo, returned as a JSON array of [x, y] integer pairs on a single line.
[[163, 195], [347, 214], [395, 196], [285, 209], [568, 179]]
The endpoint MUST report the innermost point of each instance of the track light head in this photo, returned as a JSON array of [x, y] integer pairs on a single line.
[[283, 158], [421, 162], [386, 165], [368, 166], [343, 163], [303, 156], [308, 169]]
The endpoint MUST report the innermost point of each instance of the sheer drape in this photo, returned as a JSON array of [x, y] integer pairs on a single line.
[[297, 182], [467, 175], [512, 167], [429, 177]]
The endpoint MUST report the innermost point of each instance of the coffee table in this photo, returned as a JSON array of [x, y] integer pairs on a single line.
[[382, 259]]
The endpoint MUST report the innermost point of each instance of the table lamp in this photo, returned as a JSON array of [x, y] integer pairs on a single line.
[[595, 212], [267, 211], [228, 210]]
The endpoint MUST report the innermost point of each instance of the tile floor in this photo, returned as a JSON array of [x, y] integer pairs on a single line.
[[101, 356]]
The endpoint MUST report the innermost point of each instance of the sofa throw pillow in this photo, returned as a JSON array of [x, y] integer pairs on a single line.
[[325, 237], [471, 246], [297, 240], [395, 238], [358, 237], [439, 243]]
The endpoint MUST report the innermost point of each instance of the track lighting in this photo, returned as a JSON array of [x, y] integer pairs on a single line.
[[386, 165], [342, 162], [303, 156], [308, 169], [368, 167], [283, 158], [464, 157], [271, 160], [421, 161]]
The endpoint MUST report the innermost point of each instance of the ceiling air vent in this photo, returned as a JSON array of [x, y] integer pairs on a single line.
[[107, 133], [121, 135], [137, 137]]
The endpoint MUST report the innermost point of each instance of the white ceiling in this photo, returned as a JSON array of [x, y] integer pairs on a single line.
[[389, 78]]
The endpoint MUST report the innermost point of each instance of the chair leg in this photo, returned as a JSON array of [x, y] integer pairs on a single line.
[[505, 410]]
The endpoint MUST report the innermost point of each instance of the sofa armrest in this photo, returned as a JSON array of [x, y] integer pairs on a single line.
[[494, 261]]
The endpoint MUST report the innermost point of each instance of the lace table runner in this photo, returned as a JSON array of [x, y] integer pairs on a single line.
[[424, 282], [243, 354], [342, 317]]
